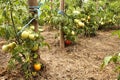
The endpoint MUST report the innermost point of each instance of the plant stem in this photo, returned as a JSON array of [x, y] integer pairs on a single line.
[[11, 15]]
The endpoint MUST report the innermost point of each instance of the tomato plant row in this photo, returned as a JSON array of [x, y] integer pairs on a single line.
[[79, 17]]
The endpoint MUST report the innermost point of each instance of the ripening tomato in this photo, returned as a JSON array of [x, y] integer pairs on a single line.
[[88, 17], [5, 48], [25, 35], [81, 24], [68, 42], [32, 27], [76, 20], [12, 45], [37, 66], [32, 36]]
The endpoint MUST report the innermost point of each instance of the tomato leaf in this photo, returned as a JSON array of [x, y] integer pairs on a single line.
[[106, 61]]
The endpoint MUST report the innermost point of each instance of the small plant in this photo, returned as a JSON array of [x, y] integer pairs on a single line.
[[116, 60]]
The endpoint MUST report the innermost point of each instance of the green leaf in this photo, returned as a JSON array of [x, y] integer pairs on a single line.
[[106, 61], [45, 44], [19, 59], [35, 56]]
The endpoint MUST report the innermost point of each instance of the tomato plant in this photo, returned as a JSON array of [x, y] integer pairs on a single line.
[[12, 11], [103, 14], [25, 54], [23, 43], [75, 11]]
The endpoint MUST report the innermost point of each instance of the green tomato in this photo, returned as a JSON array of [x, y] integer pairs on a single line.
[[35, 47]]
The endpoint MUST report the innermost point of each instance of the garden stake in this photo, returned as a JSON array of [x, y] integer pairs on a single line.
[[62, 45]]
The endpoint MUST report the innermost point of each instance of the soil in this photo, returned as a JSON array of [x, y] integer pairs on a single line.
[[80, 61]]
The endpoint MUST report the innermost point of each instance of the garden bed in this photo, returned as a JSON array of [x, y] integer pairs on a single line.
[[76, 62]]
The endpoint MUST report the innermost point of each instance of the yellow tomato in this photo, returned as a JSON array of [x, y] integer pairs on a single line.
[[32, 36], [37, 66], [12, 45], [76, 20], [81, 24], [76, 12], [102, 23], [83, 19], [19, 28], [5, 48], [88, 17], [24, 35], [32, 27], [36, 35], [73, 33]]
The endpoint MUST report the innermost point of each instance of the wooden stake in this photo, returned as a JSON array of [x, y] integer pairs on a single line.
[[62, 5], [32, 3], [51, 4], [62, 44], [97, 5], [35, 22]]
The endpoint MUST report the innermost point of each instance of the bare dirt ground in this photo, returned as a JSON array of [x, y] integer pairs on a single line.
[[77, 62]]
